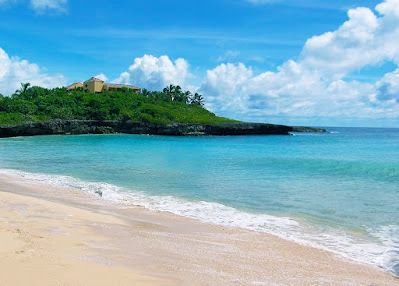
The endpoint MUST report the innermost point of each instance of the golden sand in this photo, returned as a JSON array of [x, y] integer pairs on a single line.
[[55, 236]]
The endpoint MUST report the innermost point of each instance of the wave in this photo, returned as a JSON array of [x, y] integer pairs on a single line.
[[380, 248]]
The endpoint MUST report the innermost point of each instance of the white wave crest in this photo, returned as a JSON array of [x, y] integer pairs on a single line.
[[383, 252]]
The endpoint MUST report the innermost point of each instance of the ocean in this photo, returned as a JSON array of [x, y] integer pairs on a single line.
[[337, 191]]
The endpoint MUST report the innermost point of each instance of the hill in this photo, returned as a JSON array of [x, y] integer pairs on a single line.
[[41, 111], [172, 105]]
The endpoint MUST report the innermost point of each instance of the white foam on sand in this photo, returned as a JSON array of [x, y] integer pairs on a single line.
[[382, 251]]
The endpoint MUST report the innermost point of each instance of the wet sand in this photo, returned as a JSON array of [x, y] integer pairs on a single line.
[[58, 236]]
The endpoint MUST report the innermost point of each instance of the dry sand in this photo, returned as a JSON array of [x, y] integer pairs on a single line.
[[58, 236]]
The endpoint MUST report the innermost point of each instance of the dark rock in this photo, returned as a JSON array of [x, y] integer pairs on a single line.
[[54, 127], [308, 129]]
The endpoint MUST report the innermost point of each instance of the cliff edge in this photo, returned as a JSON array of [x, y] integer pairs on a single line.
[[65, 127]]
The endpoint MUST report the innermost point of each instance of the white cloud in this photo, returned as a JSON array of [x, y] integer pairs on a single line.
[[229, 55], [155, 73], [316, 84], [41, 6], [13, 71], [101, 76], [389, 7], [226, 79], [223, 84], [359, 42], [388, 88]]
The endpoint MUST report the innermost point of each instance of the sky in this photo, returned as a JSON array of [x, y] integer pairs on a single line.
[[309, 62]]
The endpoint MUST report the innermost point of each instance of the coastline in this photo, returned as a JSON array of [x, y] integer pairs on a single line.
[[76, 127], [154, 248]]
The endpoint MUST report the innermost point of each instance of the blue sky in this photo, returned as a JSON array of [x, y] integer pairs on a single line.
[[282, 61]]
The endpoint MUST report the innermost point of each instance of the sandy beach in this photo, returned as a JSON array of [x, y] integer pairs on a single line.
[[57, 236]]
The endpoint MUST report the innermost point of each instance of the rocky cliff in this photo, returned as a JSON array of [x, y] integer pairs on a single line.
[[53, 127]]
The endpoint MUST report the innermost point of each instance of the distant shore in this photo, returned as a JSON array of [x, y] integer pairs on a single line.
[[62, 127], [63, 236]]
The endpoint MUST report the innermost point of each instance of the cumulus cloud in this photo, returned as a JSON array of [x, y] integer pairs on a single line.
[[13, 71], [388, 87], [316, 84], [41, 6], [363, 40], [155, 73], [101, 76], [222, 85]]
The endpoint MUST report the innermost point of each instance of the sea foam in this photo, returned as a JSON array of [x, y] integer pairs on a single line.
[[382, 251]]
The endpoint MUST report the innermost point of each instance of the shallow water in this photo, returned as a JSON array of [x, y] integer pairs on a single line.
[[337, 191]]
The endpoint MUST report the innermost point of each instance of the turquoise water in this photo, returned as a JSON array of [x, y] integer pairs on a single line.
[[338, 191]]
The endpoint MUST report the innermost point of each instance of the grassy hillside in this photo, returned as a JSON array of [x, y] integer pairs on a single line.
[[170, 105]]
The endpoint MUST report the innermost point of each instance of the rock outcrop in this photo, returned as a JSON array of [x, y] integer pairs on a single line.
[[54, 127]]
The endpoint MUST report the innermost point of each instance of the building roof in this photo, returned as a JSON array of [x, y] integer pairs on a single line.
[[117, 85], [94, 79], [74, 84]]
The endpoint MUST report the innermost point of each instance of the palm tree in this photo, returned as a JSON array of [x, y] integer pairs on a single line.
[[177, 89], [198, 99], [24, 87], [170, 90], [177, 94], [145, 92], [187, 96]]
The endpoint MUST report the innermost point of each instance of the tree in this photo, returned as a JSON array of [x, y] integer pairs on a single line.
[[169, 90], [172, 88], [177, 89], [145, 92], [187, 97], [177, 94], [33, 103], [198, 100], [24, 87]]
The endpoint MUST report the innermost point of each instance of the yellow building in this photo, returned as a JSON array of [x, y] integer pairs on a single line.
[[119, 87], [95, 85], [75, 86]]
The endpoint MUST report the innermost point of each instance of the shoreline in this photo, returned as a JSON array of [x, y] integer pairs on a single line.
[[289, 228], [46, 243], [183, 251]]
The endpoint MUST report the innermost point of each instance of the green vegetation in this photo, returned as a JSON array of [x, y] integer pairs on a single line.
[[169, 106]]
